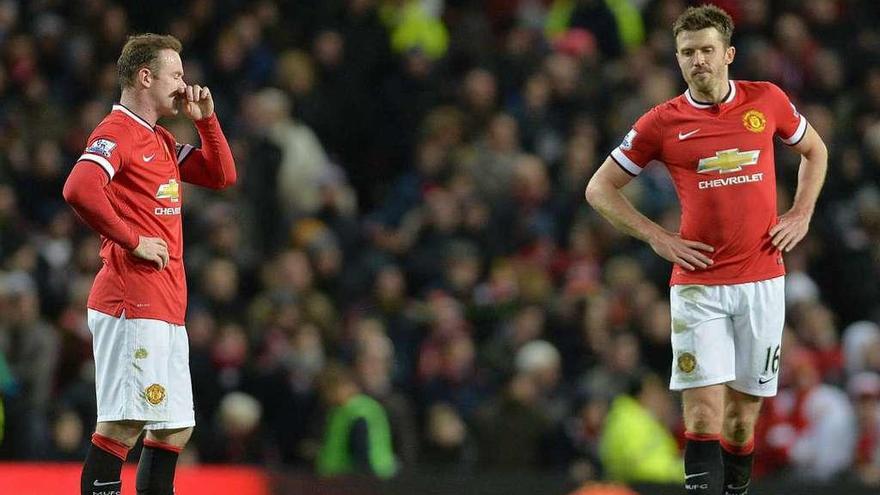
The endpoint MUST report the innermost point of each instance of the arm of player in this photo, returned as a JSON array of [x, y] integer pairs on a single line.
[[604, 194], [792, 226], [212, 165], [84, 192]]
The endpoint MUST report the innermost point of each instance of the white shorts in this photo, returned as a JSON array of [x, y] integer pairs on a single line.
[[142, 371], [728, 334]]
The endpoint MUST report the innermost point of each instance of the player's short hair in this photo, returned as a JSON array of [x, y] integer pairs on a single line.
[[142, 50], [702, 17]]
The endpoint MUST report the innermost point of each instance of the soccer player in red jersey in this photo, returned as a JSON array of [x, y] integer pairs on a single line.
[[726, 294], [128, 186]]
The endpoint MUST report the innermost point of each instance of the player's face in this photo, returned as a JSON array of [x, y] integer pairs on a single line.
[[703, 58], [167, 83]]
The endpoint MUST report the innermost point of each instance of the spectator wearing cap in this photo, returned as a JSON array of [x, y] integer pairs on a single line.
[[235, 434], [540, 360]]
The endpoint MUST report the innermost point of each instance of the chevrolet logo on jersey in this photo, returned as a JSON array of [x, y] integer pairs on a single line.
[[171, 191], [727, 161]]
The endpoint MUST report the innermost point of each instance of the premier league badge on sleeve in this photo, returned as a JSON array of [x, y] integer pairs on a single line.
[[101, 147], [627, 143]]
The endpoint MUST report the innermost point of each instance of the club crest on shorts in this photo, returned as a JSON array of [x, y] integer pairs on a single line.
[[140, 353], [155, 394], [754, 121], [687, 362]]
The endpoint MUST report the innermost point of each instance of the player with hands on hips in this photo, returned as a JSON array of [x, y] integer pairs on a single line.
[[128, 186], [727, 285]]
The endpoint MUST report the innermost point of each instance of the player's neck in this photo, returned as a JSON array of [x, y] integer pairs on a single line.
[[716, 94], [140, 106]]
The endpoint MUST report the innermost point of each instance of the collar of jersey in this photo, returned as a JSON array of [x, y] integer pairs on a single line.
[[731, 94], [134, 116]]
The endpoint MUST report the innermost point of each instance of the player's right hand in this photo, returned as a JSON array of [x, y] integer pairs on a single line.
[[152, 249], [683, 252]]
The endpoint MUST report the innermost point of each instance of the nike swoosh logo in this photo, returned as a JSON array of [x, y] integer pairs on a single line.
[[731, 487], [148, 159], [762, 381], [105, 483], [685, 135], [689, 476]]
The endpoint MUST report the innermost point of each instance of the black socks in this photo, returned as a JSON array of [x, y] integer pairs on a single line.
[[155, 475], [737, 467], [704, 471], [103, 467]]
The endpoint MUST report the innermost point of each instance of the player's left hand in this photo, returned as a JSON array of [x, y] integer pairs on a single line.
[[196, 102], [790, 229]]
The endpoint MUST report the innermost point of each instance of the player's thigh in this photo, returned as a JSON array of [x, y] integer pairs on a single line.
[[758, 337], [702, 337]]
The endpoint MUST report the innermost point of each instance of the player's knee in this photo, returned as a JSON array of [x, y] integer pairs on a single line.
[[177, 437], [739, 432], [125, 432], [702, 417], [738, 427], [703, 425]]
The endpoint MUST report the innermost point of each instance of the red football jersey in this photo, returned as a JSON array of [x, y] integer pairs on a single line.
[[145, 190], [720, 157]]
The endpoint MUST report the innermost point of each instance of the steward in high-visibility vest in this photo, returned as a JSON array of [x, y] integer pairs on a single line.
[[357, 438]]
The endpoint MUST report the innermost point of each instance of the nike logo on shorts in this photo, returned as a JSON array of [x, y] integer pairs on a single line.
[[762, 381]]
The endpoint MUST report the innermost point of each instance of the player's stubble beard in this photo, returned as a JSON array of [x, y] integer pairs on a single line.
[[705, 84]]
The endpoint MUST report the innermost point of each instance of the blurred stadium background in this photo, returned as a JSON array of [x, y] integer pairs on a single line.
[[410, 206]]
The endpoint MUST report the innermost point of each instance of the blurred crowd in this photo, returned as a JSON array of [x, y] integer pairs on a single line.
[[410, 213]]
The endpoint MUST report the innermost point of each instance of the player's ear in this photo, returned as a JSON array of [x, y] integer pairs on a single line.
[[145, 76], [729, 54]]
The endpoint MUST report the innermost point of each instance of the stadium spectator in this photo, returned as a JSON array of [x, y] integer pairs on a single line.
[[357, 436]]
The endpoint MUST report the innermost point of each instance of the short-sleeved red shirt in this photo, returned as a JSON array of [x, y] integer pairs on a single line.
[[720, 157]]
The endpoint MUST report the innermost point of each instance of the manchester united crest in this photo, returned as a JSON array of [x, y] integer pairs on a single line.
[[687, 362], [754, 121], [155, 394]]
